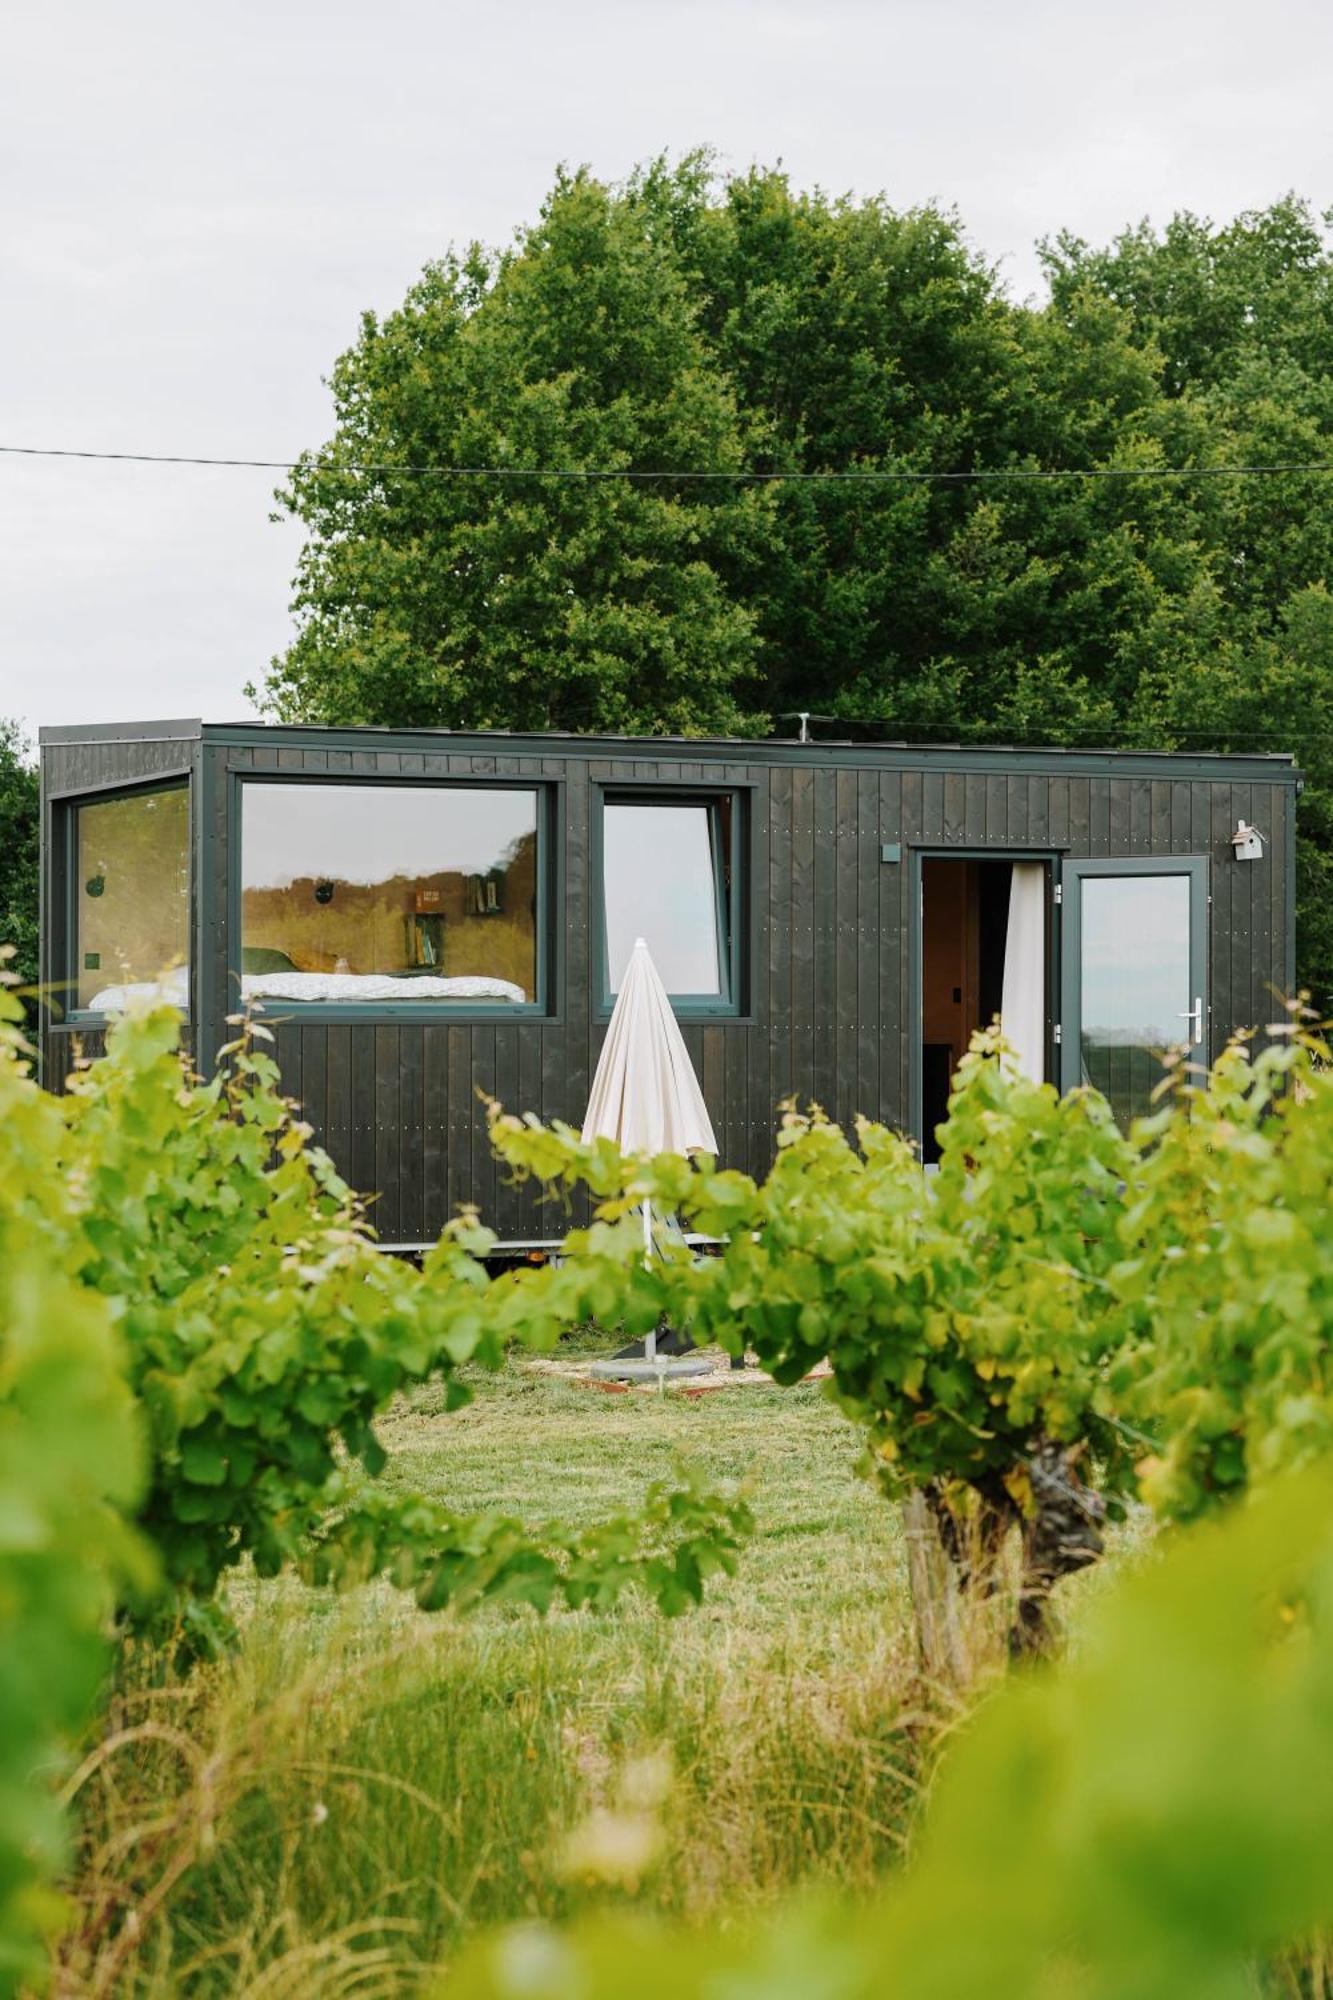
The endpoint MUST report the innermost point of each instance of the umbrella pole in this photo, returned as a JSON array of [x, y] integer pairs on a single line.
[[649, 1339]]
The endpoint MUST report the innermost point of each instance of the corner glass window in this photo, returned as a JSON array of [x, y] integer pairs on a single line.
[[667, 877], [130, 899], [389, 893]]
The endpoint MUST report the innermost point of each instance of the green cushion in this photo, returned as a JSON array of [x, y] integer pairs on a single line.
[[261, 958]]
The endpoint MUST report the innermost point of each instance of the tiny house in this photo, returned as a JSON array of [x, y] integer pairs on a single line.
[[426, 916]]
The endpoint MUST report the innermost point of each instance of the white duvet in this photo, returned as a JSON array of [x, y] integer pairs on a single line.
[[298, 986]]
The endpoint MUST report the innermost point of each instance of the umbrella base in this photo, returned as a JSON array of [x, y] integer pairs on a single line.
[[631, 1369], [670, 1340]]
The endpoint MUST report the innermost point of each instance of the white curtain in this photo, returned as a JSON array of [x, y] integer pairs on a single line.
[[1023, 1004]]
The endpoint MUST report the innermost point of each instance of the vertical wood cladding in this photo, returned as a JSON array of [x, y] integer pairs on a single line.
[[830, 1003]]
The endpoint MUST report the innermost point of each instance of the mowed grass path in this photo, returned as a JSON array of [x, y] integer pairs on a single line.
[[384, 1783], [541, 1445]]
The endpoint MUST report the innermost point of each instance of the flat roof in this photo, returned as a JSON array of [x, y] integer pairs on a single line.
[[1266, 765]]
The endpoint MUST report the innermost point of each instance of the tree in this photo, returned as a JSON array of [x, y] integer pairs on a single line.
[[682, 323], [1241, 316], [531, 602], [18, 853]]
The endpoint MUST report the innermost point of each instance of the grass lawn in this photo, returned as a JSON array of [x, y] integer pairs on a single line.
[[363, 1786]]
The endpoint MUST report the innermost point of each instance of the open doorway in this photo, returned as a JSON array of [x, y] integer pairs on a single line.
[[984, 952]]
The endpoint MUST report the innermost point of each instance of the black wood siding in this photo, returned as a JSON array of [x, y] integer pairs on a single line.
[[830, 978]]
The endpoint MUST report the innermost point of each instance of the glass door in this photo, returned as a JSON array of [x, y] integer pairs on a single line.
[[1134, 964]]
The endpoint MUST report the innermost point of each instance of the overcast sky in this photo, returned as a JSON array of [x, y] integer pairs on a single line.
[[197, 201]]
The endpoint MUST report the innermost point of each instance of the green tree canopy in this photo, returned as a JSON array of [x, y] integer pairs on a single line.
[[533, 603], [18, 853], [680, 322]]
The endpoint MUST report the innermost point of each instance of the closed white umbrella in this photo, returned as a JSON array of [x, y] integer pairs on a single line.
[[645, 1094]]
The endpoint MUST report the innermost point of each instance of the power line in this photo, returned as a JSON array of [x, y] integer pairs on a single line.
[[864, 476]]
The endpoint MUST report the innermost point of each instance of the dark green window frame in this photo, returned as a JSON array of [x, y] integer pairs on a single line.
[[549, 796], [65, 809], [731, 900], [1194, 868]]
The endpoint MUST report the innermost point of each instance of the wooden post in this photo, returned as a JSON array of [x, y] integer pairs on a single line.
[[935, 1601]]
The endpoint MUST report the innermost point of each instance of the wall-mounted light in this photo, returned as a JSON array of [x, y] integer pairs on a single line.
[[95, 885], [323, 892], [1247, 843]]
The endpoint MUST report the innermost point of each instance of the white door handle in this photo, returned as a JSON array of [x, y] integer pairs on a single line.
[[1194, 1015]]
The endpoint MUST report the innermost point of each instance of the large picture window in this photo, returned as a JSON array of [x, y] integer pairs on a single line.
[[389, 894], [669, 876], [130, 898]]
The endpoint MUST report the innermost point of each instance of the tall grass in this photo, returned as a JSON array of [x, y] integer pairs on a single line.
[[337, 1807]]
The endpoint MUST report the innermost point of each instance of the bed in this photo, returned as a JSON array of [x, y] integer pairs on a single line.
[[318, 987]]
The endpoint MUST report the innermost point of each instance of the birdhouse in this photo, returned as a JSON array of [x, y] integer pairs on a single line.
[[1247, 842]]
